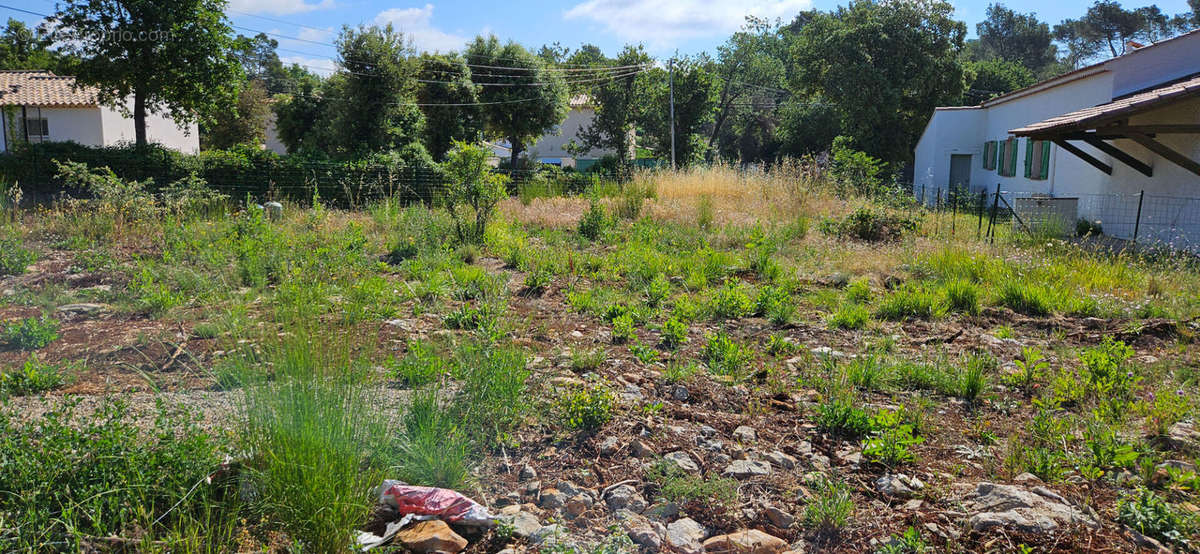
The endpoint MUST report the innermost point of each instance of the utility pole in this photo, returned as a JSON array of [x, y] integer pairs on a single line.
[[671, 84]]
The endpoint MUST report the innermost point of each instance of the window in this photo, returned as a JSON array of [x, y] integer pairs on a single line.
[[1008, 158], [37, 128], [1037, 159]]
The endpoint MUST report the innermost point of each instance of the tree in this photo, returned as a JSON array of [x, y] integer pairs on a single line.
[[807, 126], [245, 124], [376, 109], [25, 48], [1015, 37], [473, 191], [303, 119], [261, 63], [618, 98], [884, 65], [446, 92], [695, 96], [1107, 28], [994, 77], [171, 56], [750, 62], [522, 99]]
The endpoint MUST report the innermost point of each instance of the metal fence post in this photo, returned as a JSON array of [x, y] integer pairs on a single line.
[[982, 202], [992, 220], [1137, 223]]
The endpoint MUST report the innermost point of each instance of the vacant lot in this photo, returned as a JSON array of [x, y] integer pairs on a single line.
[[650, 366]]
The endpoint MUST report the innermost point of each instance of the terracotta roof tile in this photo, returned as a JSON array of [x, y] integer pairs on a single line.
[[42, 88], [1090, 117]]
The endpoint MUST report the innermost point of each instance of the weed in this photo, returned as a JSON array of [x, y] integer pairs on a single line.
[[1031, 367], [1025, 298], [436, 449], [676, 485], [849, 317], [869, 224], [624, 330], [14, 258], [705, 215], [595, 220], [858, 291], [678, 372], [34, 377], [776, 304], [910, 542], [583, 361], [1004, 332], [674, 333], [840, 416], [657, 290], [892, 441], [962, 296], [831, 506], [726, 357], [867, 373], [586, 408], [910, 303], [973, 382], [421, 365], [731, 302], [31, 333], [644, 354], [1153, 517], [778, 345], [537, 281]]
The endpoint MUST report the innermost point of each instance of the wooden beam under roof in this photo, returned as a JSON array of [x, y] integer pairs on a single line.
[[1166, 152], [1090, 159], [1124, 157]]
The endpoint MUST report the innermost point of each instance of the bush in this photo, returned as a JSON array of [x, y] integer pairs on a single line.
[[31, 333], [34, 377], [731, 302], [473, 191], [1084, 228], [674, 333], [594, 221], [586, 408], [1153, 517], [870, 224], [14, 258]]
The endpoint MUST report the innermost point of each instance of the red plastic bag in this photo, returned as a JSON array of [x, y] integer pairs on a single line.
[[444, 504]]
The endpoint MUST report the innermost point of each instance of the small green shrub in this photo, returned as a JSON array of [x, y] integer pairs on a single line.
[[849, 316], [537, 281], [858, 291], [831, 506], [473, 191], [645, 354], [31, 333], [657, 290], [731, 302], [595, 220], [14, 258], [870, 224], [674, 333], [34, 377], [961, 296], [1084, 228], [586, 408], [908, 543], [676, 485], [840, 416], [776, 304], [892, 440], [1025, 298], [583, 361], [726, 357], [624, 329], [1154, 517], [778, 345], [910, 303]]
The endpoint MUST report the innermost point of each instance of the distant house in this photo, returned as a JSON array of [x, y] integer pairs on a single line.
[[39, 106], [551, 148], [1116, 142]]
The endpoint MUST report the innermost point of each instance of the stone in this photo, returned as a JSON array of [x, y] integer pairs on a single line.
[[632, 394], [568, 488], [680, 393], [781, 460], [850, 456], [579, 504], [1184, 436], [625, 497], [640, 530], [913, 505], [779, 518], [82, 309], [745, 469], [609, 446], [1036, 510], [552, 499], [685, 535], [899, 485], [745, 433], [662, 511], [431, 536], [8, 292], [548, 534], [683, 461], [750, 541], [525, 524], [639, 449], [708, 431], [527, 473], [1178, 465], [1028, 478]]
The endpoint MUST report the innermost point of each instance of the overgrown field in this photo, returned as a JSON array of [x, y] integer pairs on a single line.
[[743, 350]]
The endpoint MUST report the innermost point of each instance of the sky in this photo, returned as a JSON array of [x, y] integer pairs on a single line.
[[305, 28]]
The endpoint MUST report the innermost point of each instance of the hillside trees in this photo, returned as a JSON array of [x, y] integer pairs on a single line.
[[447, 94], [619, 97]]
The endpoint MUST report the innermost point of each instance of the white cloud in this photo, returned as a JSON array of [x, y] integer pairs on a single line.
[[658, 21], [321, 66], [278, 7], [417, 23]]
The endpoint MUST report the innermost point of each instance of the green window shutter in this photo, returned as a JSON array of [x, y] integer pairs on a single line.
[[1001, 157], [985, 153], [1045, 159], [1029, 144], [991, 160], [1012, 157]]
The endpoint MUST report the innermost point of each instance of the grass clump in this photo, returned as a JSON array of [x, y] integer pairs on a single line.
[[842, 417], [14, 258], [586, 408], [962, 296], [910, 303], [31, 333], [973, 382], [831, 506], [849, 317], [726, 357], [676, 485], [420, 366], [1025, 298]]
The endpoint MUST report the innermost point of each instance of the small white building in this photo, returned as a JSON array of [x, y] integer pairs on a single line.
[[551, 148], [1114, 139], [39, 106]]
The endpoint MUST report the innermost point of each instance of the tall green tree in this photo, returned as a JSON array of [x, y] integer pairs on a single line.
[[993, 77], [619, 99], [170, 56], [261, 63], [24, 48], [750, 62], [522, 99], [376, 110], [447, 96], [1107, 29], [246, 123], [695, 98], [1015, 37], [885, 66], [304, 119]]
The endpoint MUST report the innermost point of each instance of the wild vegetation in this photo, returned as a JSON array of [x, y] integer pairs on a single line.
[[197, 376]]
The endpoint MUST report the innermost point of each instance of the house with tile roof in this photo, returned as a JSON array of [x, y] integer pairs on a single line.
[[39, 106], [554, 147], [1117, 143]]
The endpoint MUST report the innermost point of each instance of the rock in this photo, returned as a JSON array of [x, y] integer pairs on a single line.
[[899, 485], [711, 445], [1178, 465], [707, 431], [850, 456], [781, 460], [639, 449], [745, 433], [751, 541], [431, 536], [82, 309], [625, 497], [1036, 510], [8, 292], [552, 499], [640, 530], [1028, 478], [1184, 436], [821, 351], [913, 505], [527, 473], [680, 393], [683, 461], [548, 534], [579, 504], [685, 535], [402, 324], [609, 446], [779, 518], [662, 511], [632, 394], [745, 469], [525, 524], [721, 459]]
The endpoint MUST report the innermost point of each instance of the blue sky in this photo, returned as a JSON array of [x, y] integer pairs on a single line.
[[662, 25]]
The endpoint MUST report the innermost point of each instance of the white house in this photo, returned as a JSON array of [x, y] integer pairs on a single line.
[[1109, 141], [551, 148], [39, 106]]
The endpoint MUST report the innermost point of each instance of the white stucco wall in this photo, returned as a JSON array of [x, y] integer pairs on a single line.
[[272, 135], [82, 125], [1144, 68], [552, 145], [950, 131], [159, 128]]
